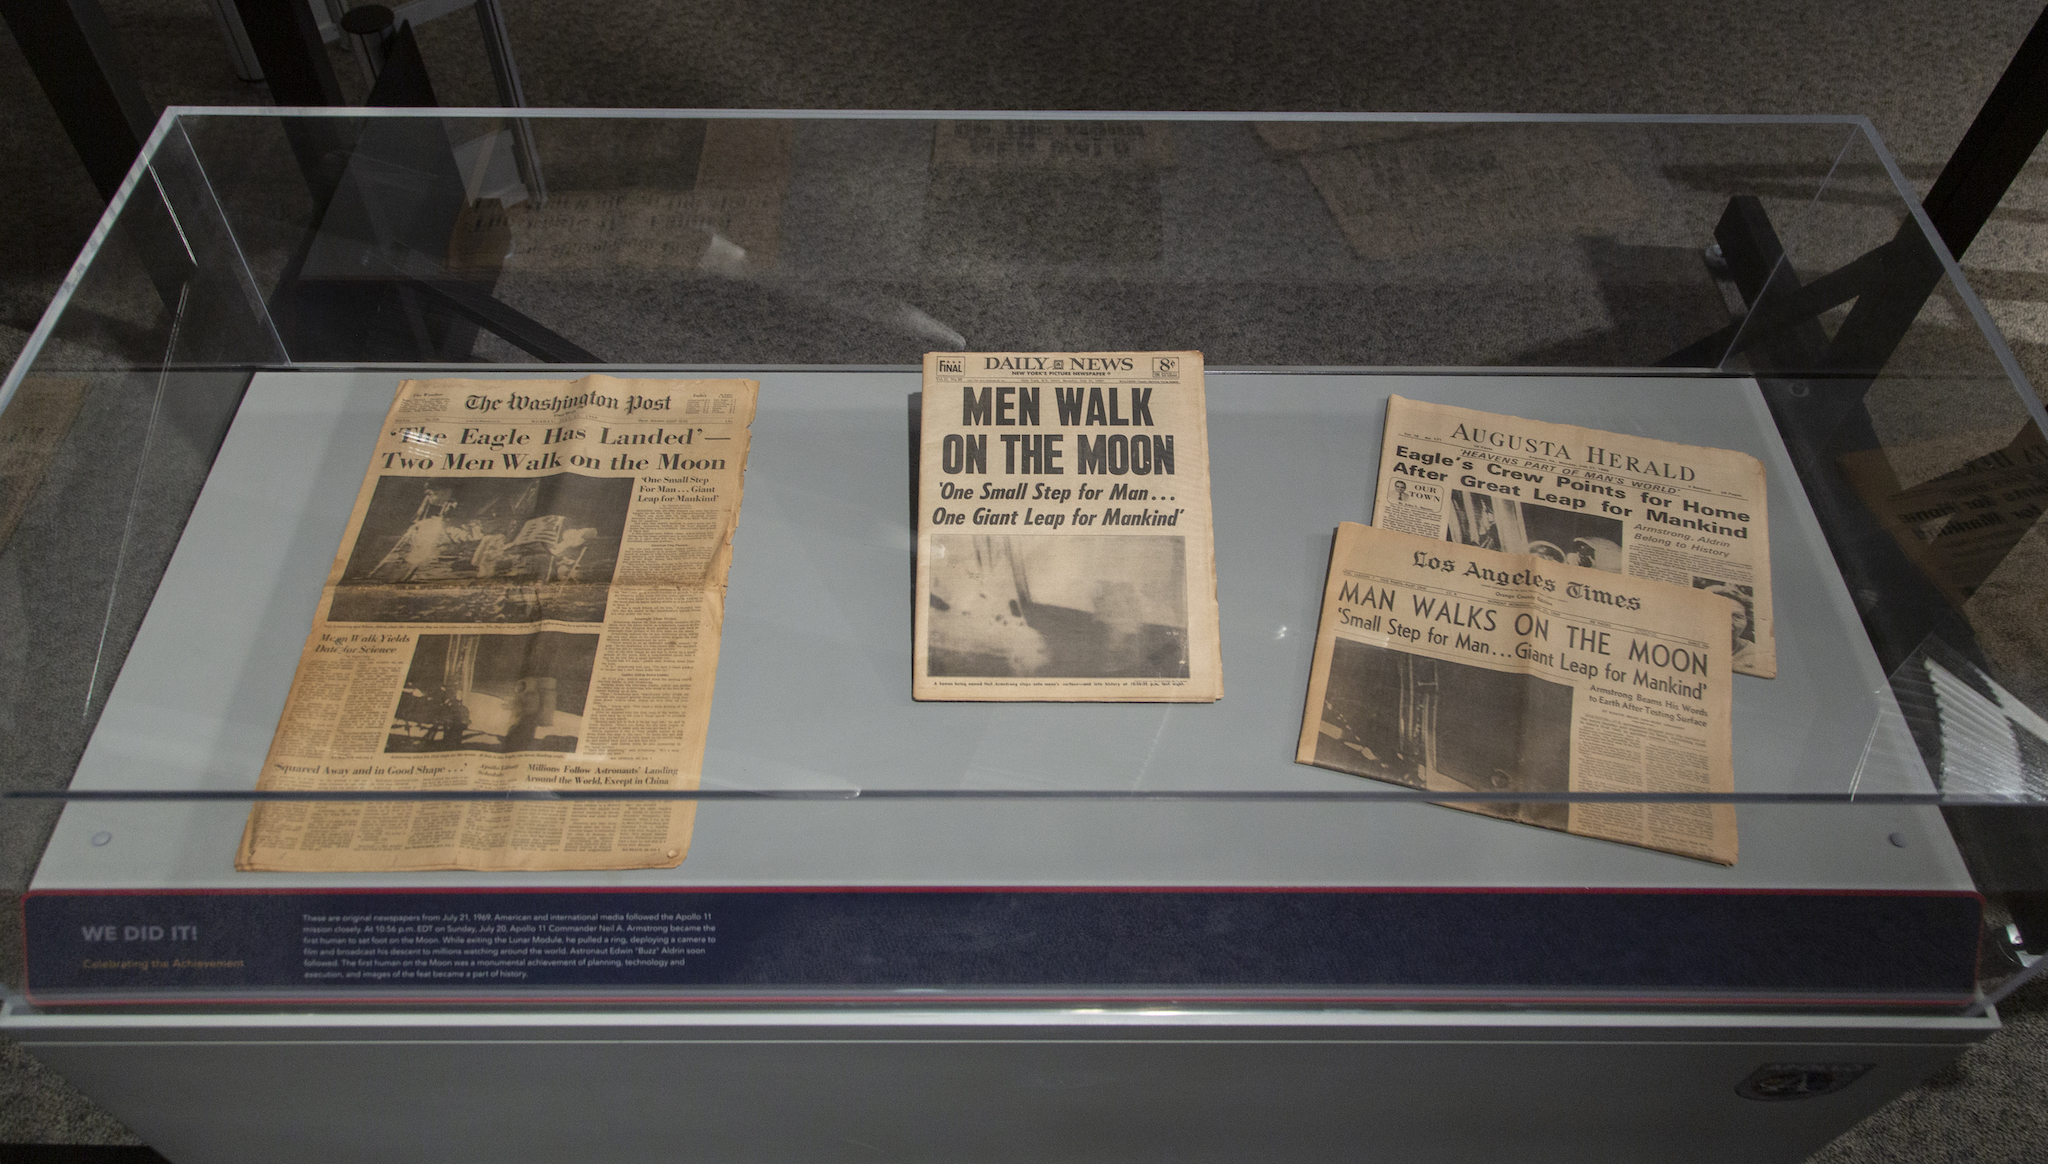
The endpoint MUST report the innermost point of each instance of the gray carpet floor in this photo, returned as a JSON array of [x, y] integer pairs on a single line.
[[1919, 71]]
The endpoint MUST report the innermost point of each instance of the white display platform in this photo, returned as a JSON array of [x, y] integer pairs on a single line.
[[814, 694]]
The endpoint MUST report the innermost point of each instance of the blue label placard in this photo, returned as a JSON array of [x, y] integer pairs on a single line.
[[87, 946]]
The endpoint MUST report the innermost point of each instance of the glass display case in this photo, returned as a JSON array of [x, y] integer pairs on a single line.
[[188, 427]]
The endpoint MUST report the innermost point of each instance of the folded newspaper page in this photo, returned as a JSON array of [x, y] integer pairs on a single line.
[[528, 597], [1064, 544], [1625, 504], [1456, 669]]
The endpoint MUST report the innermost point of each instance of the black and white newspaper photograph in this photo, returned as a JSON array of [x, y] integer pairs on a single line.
[[1741, 601], [1523, 527], [1487, 675], [1616, 502], [1065, 550], [485, 550], [1399, 716], [494, 693], [528, 596], [1086, 607]]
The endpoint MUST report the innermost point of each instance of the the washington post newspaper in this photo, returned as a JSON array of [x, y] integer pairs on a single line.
[[528, 597], [1064, 544], [1450, 668], [1625, 504]]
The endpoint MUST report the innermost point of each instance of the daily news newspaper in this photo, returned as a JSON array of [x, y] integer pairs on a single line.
[[528, 597], [1454, 669], [1064, 544], [1625, 504]]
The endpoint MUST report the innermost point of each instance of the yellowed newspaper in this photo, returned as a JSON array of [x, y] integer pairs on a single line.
[[1064, 542], [1651, 509], [1454, 669], [528, 598]]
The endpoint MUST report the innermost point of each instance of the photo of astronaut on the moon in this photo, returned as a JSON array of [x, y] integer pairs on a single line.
[[1062, 607], [485, 550], [494, 693], [1432, 723]]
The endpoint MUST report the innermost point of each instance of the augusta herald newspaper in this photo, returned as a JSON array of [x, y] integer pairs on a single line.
[[528, 597], [1456, 669], [1624, 504], [1064, 545]]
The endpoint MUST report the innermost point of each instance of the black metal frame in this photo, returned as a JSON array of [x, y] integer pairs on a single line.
[[79, 62], [1815, 386], [370, 280], [288, 46], [1815, 383]]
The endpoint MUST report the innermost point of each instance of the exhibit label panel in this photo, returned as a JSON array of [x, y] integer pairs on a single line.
[[1364, 944]]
